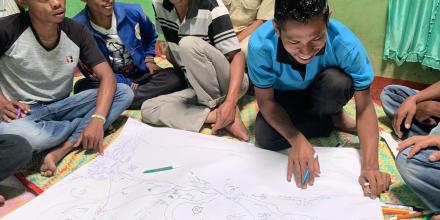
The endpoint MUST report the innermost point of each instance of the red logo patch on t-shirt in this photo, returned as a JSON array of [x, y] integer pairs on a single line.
[[69, 59]]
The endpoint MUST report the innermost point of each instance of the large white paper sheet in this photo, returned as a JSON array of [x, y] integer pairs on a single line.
[[218, 179]]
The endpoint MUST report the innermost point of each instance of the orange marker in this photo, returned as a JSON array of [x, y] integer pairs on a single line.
[[394, 211], [415, 215]]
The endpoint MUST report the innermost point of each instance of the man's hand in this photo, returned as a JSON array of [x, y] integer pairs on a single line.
[[423, 113], [301, 157], [92, 136], [152, 67], [374, 182], [9, 110], [151, 64], [225, 116], [406, 112], [421, 142], [134, 86]]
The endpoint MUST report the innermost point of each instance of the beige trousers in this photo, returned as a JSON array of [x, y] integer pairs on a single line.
[[207, 71]]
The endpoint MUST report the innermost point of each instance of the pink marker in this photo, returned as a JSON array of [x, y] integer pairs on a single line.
[[18, 113]]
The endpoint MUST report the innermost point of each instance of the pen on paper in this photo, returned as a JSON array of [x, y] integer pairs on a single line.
[[160, 169], [307, 173]]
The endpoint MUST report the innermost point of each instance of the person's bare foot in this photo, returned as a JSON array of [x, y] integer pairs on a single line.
[[343, 122], [212, 117], [51, 159], [2, 200], [49, 166], [237, 128]]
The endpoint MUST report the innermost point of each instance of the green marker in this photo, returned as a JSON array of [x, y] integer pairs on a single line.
[[161, 169]]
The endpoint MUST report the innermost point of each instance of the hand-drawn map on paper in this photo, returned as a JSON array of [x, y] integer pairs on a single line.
[[218, 179]]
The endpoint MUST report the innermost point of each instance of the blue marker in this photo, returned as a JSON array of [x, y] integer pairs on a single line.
[[307, 173], [306, 176]]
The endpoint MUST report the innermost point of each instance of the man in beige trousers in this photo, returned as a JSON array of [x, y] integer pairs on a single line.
[[204, 46]]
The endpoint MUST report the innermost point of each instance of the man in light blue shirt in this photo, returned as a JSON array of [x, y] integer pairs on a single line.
[[305, 68]]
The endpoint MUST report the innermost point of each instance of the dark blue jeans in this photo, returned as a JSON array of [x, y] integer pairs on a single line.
[[161, 82]]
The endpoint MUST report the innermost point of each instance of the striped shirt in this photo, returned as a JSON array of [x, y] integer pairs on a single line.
[[207, 19]]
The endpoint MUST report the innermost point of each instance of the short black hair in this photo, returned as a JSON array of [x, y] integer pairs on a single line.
[[300, 10]]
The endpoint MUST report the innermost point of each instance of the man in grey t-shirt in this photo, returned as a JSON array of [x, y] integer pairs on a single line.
[[39, 50]]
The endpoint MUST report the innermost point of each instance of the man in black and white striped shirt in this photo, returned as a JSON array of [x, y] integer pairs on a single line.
[[203, 44]]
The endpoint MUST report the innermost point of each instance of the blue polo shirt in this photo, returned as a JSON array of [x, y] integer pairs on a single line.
[[270, 66]]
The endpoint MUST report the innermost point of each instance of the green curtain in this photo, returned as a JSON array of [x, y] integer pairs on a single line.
[[413, 32]]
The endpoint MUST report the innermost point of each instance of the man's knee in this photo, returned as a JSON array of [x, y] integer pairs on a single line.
[[124, 90], [190, 47], [393, 96], [396, 94], [387, 100], [24, 151], [410, 171], [385, 95], [388, 92], [389, 89], [333, 79], [30, 131], [330, 92], [21, 150], [124, 94], [40, 141], [267, 137], [267, 142], [150, 110], [189, 44]]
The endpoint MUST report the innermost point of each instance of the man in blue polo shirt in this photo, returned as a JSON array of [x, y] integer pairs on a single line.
[[305, 68]]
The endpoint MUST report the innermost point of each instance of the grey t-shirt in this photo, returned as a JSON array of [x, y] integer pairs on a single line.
[[31, 72]]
